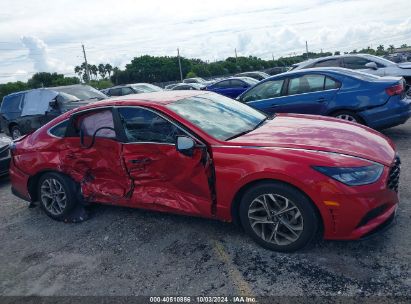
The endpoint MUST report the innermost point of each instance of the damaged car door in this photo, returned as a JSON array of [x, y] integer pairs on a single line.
[[92, 156], [165, 178]]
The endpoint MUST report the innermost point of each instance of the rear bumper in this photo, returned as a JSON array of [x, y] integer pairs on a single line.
[[19, 182], [395, 112], [4, 166]]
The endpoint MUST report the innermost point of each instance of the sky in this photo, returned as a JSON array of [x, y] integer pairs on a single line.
[[46, 35]]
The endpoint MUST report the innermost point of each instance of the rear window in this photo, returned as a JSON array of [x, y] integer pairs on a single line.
[[360, 75], [12, 103], [59, 130]]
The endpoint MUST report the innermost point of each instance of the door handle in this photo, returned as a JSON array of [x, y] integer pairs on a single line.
[[321, 99], [140, 161]]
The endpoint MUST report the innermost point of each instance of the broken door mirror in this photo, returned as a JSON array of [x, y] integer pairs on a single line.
[[185, 145]]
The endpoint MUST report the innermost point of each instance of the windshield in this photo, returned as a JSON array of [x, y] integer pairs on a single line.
[[64, 97], [81, 92], [146, 88], [218, 116], [250, 80]]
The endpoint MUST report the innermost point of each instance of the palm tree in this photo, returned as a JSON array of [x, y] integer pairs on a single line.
[[93, 70], [109, 69], [102, 70], [78, 70], [391, 48]]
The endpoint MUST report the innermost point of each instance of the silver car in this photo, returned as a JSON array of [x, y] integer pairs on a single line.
[[363, 62]]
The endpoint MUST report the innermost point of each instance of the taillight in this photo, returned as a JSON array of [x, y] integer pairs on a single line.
[[395, 90]]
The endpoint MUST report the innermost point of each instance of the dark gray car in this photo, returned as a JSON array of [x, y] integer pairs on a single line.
[[4, 156], [24, 112]]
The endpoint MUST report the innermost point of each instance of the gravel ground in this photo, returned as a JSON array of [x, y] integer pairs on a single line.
[[122, 251]]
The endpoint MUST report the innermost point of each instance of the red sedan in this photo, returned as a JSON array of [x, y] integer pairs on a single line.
[[284, 178]]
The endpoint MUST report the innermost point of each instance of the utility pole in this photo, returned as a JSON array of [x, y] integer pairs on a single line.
[[85, 60], [235, 51], [272, 54], [306, 48], [179, 64]]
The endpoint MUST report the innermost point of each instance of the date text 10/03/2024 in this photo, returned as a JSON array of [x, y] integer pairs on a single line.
[[203, 299]]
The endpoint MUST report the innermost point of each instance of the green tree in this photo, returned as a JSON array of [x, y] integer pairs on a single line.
[[93, 70], [102, 70], [391, 48], [380, 50], [191, 74], [108, 67]]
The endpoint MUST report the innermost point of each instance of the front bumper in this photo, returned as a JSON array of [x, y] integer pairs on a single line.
[[358, 211], [395, 112]]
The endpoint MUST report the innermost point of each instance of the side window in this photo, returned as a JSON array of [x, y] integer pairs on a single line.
[[59, 130], [142, 125], [89, 123], [126, 91], [306, 84], [331, 84], [266, 90], [355, 63], [222, 84], [328, 63], [12, 104], [235, 83], [115, 92]]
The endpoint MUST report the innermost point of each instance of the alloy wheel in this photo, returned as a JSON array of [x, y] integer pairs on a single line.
[[16, 133], [346, 117], [53, 196], [275, 219]]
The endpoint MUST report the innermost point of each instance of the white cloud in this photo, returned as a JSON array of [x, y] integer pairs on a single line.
[[38, 53]]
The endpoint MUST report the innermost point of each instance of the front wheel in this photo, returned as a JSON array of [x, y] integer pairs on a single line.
[[15, 132], [278, 217]]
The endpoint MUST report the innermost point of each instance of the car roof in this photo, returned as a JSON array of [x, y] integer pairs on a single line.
[[306, 62], [154, 98], [335, 70]]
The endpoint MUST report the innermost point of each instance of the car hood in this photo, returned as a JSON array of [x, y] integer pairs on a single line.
[[4, 142], [405, 65], [326, 134]]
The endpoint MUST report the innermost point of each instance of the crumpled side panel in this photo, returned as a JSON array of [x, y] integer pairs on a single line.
[[99, 170], [165, 179]]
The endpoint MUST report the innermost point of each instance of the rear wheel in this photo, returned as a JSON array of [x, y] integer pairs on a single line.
[[15, 132], [56, 194], [278, 217], [349, 116]]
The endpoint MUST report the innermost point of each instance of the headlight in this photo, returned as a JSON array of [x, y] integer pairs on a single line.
[[354, 176]]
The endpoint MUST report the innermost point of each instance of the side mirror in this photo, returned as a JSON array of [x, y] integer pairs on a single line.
[[53, 104], [185, 145], [371, 65]]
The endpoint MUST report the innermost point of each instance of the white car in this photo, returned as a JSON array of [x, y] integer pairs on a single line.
[[363, 62]]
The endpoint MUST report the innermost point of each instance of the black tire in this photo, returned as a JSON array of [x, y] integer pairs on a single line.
[[308, 217], [350, 116], [15, 132], [67, 185]]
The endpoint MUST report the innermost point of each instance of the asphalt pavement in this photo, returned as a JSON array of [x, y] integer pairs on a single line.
[[121, 251]]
